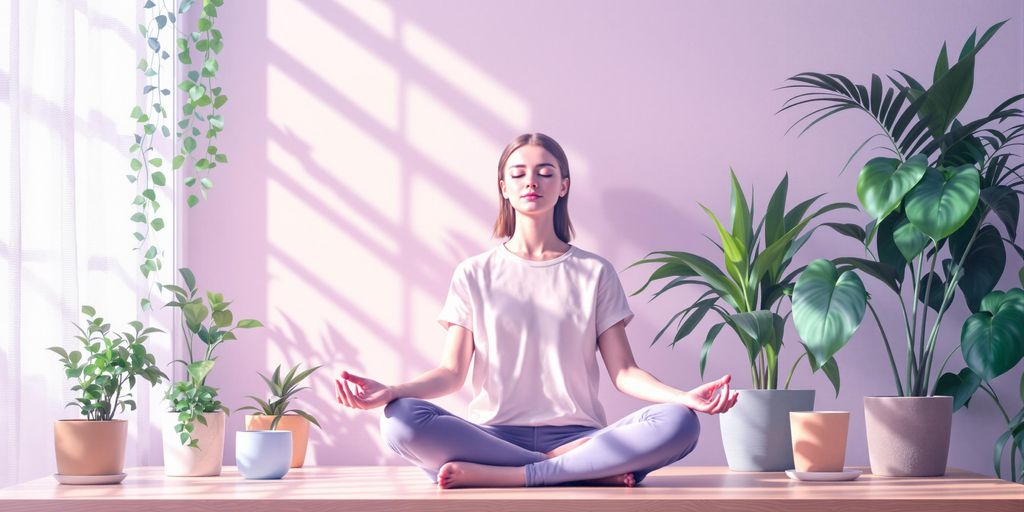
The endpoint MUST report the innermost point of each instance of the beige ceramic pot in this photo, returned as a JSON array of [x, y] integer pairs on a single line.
[[90, 448], [297, 425], [819, 440], [207, 459], [908, 436]]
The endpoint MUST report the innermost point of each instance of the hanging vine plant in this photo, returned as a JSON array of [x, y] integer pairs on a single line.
[[192, 138]]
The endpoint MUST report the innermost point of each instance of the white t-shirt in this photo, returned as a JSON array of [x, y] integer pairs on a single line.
[[535, 326]]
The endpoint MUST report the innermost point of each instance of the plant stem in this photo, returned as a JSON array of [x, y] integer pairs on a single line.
[[913, 325], [943, 367], [888, 350], [984, 386], [793, 370], [924, 315]]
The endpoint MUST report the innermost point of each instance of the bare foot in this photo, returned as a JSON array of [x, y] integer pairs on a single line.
[[466, 474], [566, 447]]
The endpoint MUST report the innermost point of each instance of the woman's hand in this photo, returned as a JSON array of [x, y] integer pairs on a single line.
[[704, 398], [368, 393]]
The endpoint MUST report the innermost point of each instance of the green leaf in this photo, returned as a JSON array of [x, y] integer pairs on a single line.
[[151, 253], [705, 348], [935, 293], [884, 182], [189, 143], [159, 178], [959, 386], [848, 229], [136, 164], [941, 65], [177, 162], [982, 267], [138, 217], [211, 65], [157, 224], [190, 279], [909, 240], [89, 311], [742, 221], [205, 24], [137, 111], [192, 200], [943, 201], [828, 306], [219, 101], [206, 183], [249, 324], [992, 340], [200, 369], [195, 313], [222, 318]]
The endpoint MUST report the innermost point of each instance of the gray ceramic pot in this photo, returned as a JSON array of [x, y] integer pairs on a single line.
[[908, 436], [755, 432]]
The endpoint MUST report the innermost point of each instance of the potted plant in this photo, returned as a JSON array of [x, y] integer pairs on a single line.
[[930, 201], [275, 412], [92, 450], [193, 434], [756, 278]]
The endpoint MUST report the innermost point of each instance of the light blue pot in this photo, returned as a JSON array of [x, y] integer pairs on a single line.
[[263, 454], [755, 432]]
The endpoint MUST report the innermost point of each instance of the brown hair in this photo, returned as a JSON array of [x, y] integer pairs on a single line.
[[505, 226]]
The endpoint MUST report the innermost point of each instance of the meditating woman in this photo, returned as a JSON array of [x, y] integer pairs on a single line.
[[531, 314]]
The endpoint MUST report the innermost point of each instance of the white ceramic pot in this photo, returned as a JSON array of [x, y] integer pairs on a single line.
[[205, 460]]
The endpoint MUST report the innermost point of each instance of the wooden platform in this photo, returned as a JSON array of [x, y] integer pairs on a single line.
[[367, 489]]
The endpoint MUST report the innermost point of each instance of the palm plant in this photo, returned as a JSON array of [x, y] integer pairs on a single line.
[[755, 280], [281, 391], [930, 204]]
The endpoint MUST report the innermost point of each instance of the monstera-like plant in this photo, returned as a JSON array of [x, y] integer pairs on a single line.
[[933, 201], [747, 296]]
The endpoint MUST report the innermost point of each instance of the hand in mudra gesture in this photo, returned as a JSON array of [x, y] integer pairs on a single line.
[[711, 398], [367, 393]]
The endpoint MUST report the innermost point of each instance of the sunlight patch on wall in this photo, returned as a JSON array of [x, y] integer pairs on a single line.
[[318, 271], [375, 14], [370, 83], [337, 148], [464, 76]]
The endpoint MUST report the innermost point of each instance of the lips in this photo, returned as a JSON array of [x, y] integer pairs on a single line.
[[531, 196]]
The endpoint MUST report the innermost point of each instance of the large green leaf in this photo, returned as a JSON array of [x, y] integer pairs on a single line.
[[1004, 202], [884, 182], [706, 346], [934, 291], [909, 240], [943, 200], [879, 270], [742, 220], [992, 340], [715, 278], [195, 313], [959, 386], [982, 267], [765, 328], [774, 223], [828, 306], [200, 369]]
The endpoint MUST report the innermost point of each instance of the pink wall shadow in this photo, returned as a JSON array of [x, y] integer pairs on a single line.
[[363, 147]]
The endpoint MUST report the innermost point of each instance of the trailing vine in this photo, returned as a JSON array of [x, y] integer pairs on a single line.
[[194, 133]]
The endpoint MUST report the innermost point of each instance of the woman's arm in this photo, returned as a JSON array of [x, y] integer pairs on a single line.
[[630, 379], [447, 378]]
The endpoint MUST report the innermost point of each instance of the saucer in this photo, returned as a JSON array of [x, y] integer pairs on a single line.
[[89, 479], [823, 476]]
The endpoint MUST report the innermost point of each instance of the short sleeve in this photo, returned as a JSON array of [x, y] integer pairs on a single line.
[[458, 307], [611, 301]]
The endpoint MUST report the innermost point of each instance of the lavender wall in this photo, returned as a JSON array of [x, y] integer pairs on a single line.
[[363, 144]]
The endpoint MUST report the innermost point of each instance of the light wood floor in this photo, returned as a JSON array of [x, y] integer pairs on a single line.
[[368, 489]]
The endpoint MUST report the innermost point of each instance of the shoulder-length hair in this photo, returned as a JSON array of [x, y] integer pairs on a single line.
[[505, 226]]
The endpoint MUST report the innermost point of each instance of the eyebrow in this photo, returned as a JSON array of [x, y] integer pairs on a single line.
[[523, 166]]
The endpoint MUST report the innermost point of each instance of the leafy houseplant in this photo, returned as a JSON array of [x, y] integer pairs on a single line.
[[930, 202], [276, 412], [192, 400], [754, 281], [194, 129], [106, 370]]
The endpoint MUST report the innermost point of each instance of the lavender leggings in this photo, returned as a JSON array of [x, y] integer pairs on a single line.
[[648, 439]]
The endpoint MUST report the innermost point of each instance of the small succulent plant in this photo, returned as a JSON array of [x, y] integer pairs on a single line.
[[281, 393]]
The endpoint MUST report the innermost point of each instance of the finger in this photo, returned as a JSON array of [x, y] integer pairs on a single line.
[[726, 396], [716, 403], [353, 377], [338, 393], [348, 395]]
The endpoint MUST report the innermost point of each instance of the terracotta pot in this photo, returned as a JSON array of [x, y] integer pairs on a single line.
[[207, 459], [89, 448], [908, 436], [755, 432], [297, 425], [819, 440]]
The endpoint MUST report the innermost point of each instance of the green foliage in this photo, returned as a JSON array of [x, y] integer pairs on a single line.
[[281, 392], [200, 117], [192, 398], [828, 306], [940, 228], [108, 366], [755, 279]]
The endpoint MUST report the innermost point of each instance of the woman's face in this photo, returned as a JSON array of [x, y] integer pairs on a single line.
[[532, 180]]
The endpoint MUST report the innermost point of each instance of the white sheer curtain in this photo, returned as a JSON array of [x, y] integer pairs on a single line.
[[67, 85]]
